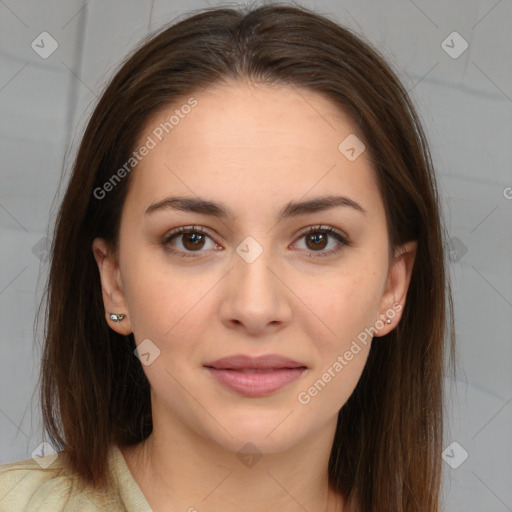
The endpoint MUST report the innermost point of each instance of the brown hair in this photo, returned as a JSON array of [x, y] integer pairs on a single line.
[[386, 454]]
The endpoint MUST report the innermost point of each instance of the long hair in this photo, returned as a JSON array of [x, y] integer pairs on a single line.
[[386, 454]]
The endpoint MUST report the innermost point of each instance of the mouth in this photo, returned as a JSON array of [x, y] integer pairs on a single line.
[[251, 370], [260, 376]]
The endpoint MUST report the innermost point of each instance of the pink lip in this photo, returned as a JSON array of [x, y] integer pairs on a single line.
[[257, 383], [267, 373]]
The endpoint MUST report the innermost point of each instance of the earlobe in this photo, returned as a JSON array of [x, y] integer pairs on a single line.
[[111, 289], [397, 285]]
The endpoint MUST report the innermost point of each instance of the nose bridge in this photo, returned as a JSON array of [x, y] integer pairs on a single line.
[[256, 296], [253, 269]]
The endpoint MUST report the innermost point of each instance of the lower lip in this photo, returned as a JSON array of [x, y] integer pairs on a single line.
[[256, 383]]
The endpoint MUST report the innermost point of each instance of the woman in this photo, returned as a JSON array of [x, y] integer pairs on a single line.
[[247, 296]]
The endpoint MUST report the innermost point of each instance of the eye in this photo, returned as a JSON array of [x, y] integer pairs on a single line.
[[317, 238], [193, 239]]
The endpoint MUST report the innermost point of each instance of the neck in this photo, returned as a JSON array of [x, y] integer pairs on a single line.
[[177, 469]]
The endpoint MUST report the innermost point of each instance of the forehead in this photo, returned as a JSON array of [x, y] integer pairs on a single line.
[[261, 140], [252, 116]]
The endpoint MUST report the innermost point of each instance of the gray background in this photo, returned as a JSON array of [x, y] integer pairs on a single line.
[[465, 104]]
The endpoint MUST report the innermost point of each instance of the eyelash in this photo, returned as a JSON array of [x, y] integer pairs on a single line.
[[327, 230]]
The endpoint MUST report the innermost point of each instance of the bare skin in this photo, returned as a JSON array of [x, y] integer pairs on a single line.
[[253, 149]]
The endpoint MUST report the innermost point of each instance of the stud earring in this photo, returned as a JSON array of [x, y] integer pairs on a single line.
[[116, 318], [388, 320]]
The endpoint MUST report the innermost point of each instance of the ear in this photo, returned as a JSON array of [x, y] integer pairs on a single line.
[[397, 284], [111, 286]]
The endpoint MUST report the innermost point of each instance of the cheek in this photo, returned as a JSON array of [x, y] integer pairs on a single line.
[[154, 291], [347, 301], [327, 390], [348, 306], [169, 306]]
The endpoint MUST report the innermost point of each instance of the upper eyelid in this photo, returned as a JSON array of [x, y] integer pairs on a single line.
[[322, 227]]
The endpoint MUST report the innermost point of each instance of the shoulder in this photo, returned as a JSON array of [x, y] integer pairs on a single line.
[[45, 484]]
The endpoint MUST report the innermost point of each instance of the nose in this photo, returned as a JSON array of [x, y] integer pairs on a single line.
[[255, 297]]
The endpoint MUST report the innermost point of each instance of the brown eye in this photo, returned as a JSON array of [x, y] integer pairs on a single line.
[[318, 238], [187, 240]]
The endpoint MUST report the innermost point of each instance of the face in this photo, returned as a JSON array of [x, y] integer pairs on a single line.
[[253, 281]]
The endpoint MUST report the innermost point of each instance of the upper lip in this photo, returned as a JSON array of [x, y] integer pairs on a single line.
[[244, 362]]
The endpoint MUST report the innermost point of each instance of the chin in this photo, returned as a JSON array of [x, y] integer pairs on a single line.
[[268, 436]]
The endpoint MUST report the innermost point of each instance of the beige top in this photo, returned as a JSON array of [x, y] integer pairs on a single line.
[[26, 486]]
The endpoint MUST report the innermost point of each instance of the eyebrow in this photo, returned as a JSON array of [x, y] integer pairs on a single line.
[[292, 209]]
